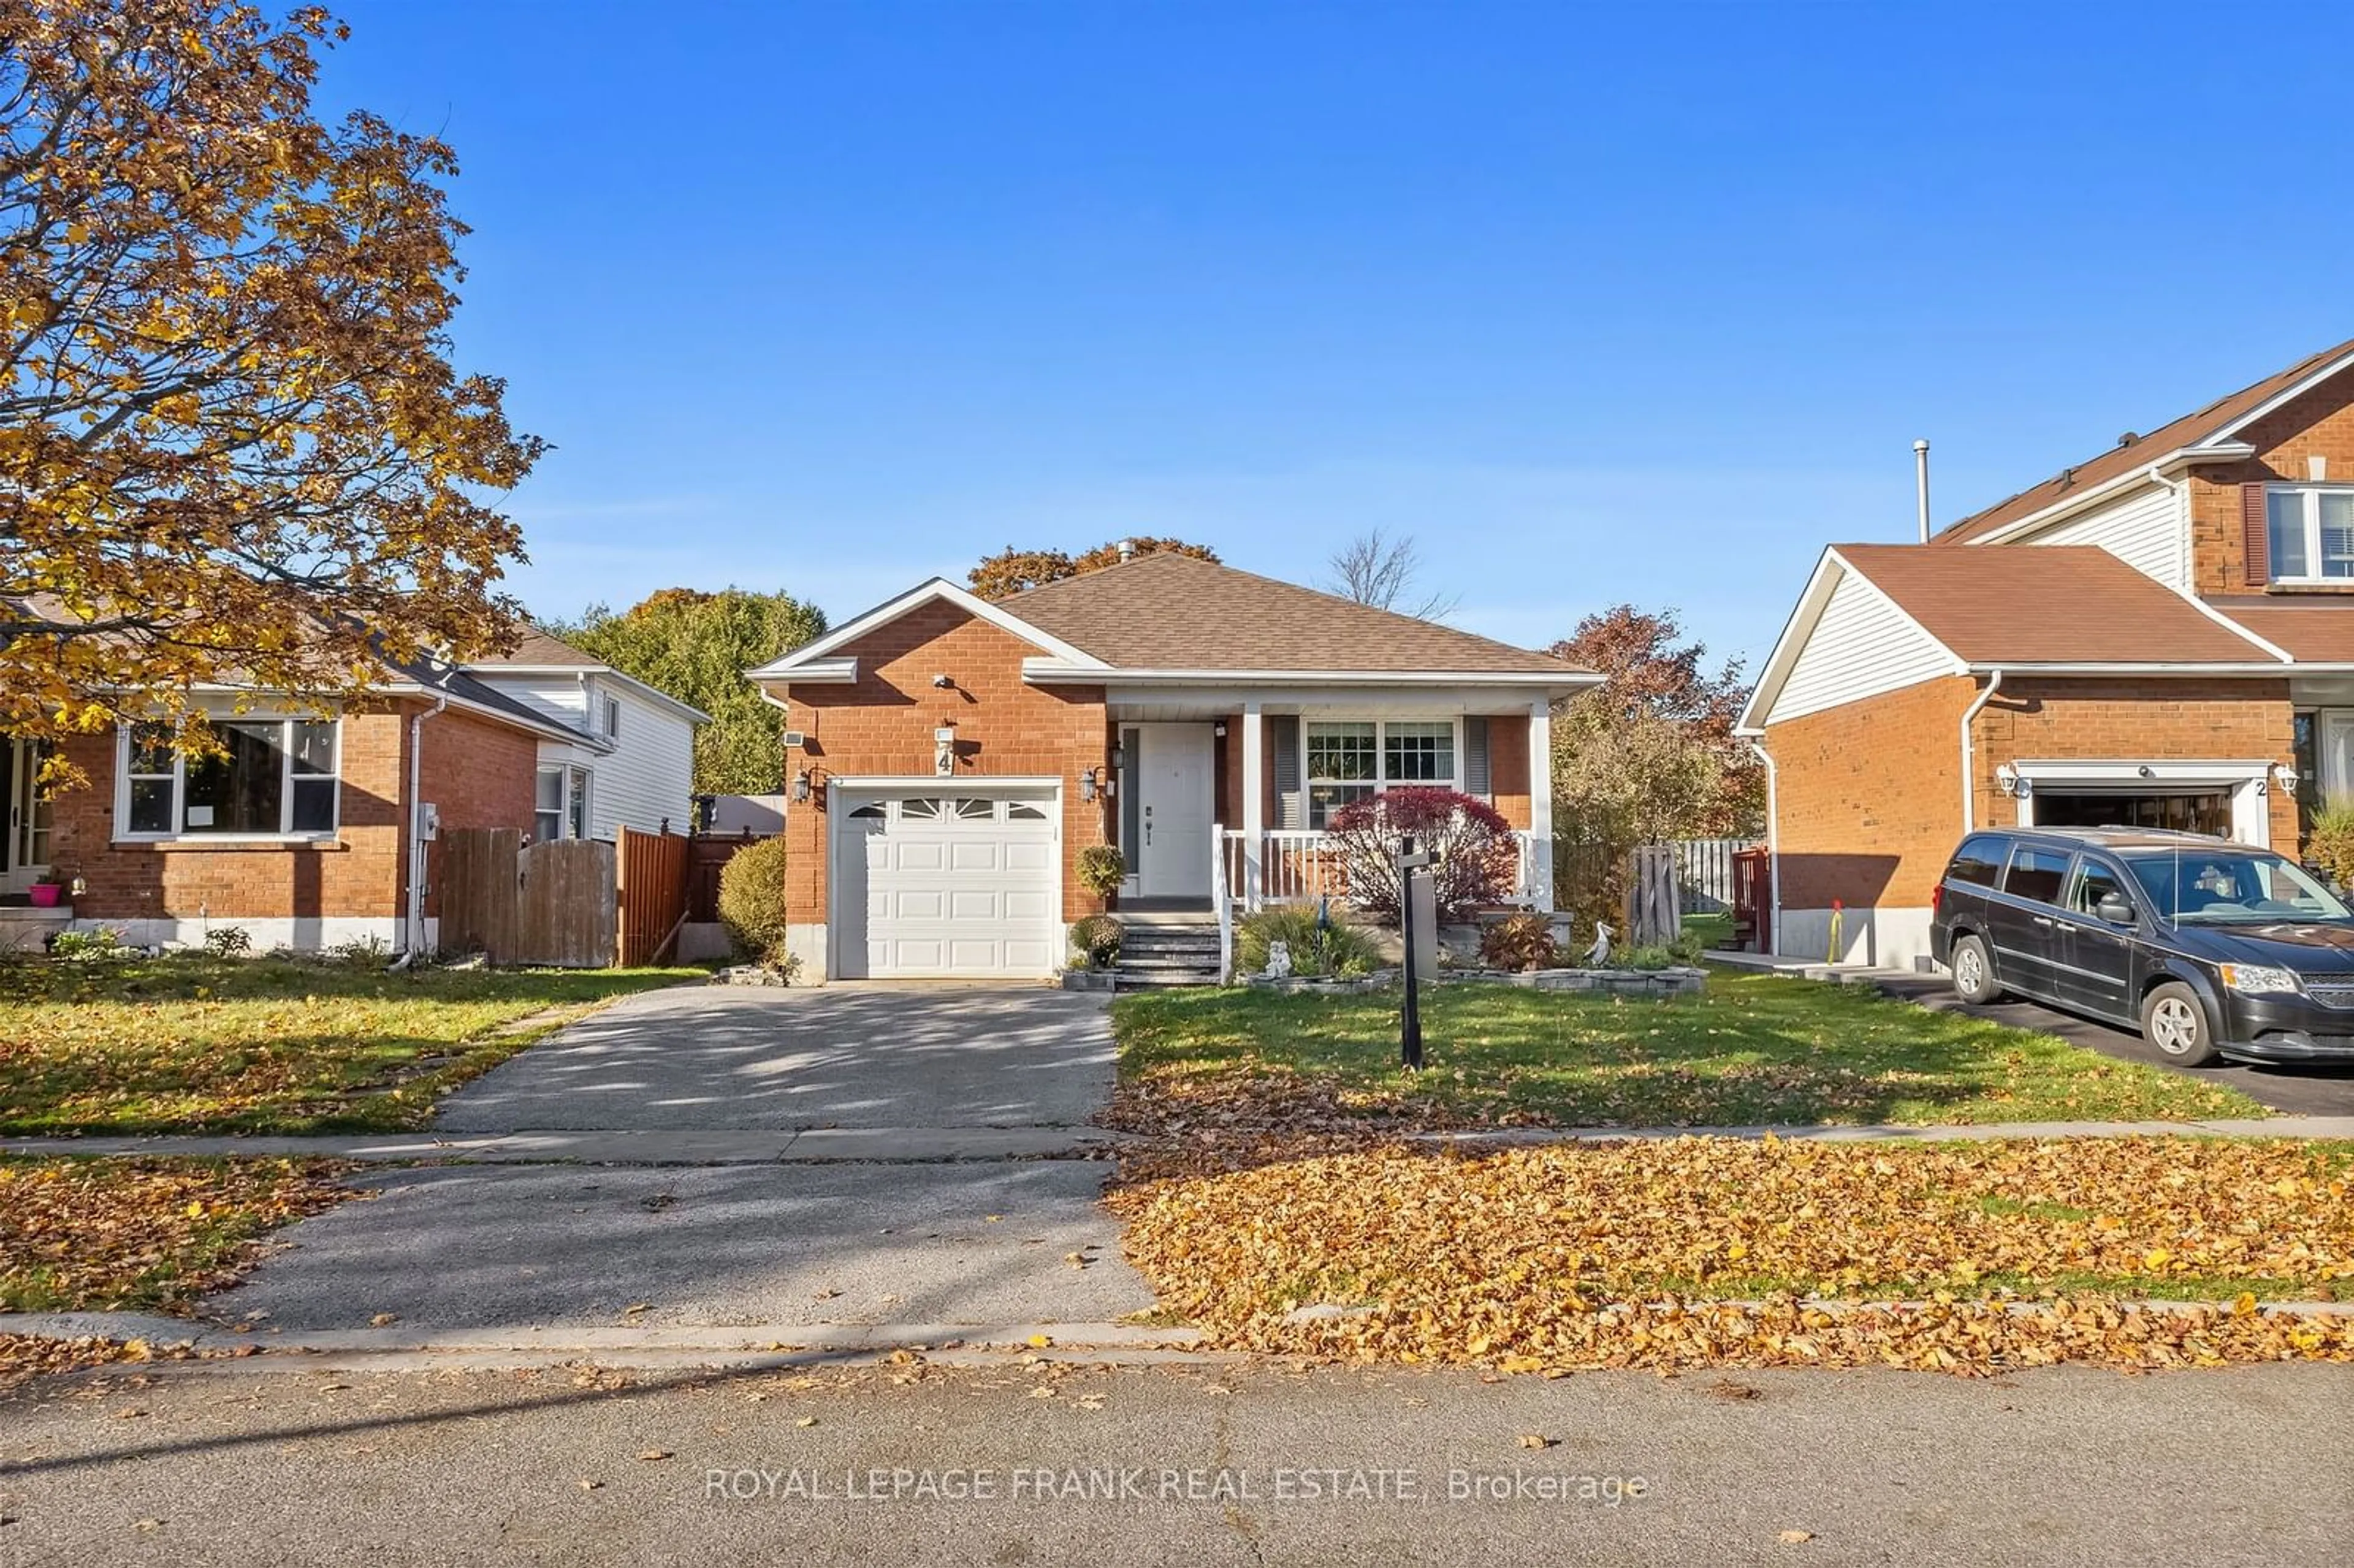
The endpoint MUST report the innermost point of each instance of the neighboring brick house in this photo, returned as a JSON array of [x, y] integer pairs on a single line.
[[313, 829], [2160, 636], [949, 759]]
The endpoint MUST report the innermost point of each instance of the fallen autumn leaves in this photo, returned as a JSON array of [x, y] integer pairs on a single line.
[[110, 1234], [1703, 1252]]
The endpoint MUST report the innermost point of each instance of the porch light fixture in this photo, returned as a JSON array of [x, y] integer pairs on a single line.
[[1087, 783], [2007, 777], [801, 786], [1118, 758], [2285, 775]]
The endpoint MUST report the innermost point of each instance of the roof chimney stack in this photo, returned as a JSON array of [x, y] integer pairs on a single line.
[[1921, 483]]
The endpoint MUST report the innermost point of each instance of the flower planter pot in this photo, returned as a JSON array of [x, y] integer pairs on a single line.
[[47, 895]]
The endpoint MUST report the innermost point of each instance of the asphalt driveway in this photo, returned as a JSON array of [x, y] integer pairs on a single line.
[[2299, 1091], [513, 1255], [708, 1059]]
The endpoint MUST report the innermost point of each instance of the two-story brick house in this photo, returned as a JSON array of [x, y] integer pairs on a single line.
[[2159, 636]]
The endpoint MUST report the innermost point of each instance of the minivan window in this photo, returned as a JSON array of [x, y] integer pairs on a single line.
[[2230, 885], [1977, 862], [2094, 882], [2036, 874]]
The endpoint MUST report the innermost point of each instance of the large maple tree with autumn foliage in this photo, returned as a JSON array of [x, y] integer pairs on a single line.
[[233, 445]]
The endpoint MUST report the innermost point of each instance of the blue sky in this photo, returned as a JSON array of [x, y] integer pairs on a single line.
[[1629, 302]]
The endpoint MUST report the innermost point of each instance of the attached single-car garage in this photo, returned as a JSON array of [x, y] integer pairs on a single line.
[[962, 881]]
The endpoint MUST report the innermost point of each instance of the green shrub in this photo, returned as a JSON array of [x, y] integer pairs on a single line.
[[1097, 941], [1648, 957], [1522, 941], [359, 953], [1338, 948], [2330, 844], [1101, 870], [752, 899], [97, 944], [228, 941]]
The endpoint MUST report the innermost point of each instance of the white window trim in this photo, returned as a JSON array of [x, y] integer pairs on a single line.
[[2249, 781], [1382, 781], [2310, 494], [125, 833], [570, 774]]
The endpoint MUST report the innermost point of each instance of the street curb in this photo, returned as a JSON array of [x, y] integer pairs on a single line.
[[2290, 1126], [810, 1145], [731, 1345]]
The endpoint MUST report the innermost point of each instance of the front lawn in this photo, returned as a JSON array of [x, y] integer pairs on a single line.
[[185, 1044], [1756, 1049], [1710, 1252], [121, 1234]]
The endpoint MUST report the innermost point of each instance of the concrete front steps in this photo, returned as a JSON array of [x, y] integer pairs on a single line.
[[1164, 952]]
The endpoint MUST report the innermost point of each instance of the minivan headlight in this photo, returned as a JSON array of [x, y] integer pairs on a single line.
[[2255, 977]]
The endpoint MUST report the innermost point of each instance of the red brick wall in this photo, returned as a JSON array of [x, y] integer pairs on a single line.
[[882, 724], [477, 774], [1869, 794], [2319, 424], [356, 874]]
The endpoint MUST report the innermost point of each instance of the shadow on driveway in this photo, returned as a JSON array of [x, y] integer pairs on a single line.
[[2299, 1091]]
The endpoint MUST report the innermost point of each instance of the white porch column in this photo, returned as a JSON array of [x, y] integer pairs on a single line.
[[1541, 804], [1254, 802]]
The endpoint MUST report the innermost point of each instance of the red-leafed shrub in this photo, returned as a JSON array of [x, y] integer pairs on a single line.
[[1470, 838]]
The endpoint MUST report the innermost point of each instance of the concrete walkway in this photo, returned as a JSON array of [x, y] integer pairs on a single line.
[[933, 1145]]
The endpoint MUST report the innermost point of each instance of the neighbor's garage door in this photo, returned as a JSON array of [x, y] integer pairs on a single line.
[[945, 885]]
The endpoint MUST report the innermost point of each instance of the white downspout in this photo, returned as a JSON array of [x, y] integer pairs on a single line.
[[1773, 838], [413, 927], [1969, 756]]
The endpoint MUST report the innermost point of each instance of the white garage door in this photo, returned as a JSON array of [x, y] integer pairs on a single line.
[[934, 885]]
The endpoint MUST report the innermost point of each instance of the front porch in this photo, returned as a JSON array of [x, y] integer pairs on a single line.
[[1219, 807]]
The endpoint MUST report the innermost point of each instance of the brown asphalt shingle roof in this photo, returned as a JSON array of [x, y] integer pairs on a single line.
[[2317, 631], [2046, 604], [1168, 611], [2187, 430], [538, 649]]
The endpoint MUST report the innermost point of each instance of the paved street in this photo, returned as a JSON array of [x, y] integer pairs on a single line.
[[2301, 1091], [919, 1225], [2060, 1466]]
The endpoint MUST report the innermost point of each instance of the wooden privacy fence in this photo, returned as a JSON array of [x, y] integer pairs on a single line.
[[569, 903], [1587, 874], [649, 894], [544, 903]]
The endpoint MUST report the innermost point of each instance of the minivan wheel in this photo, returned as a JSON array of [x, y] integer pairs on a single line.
[[1974, 971], [2175, 1024]]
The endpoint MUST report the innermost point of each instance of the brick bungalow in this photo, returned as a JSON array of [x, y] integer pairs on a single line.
[[316, 829], [949, 759], [2159, 636]]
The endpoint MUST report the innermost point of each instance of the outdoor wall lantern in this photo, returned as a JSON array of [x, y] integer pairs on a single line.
[[2007, 777], [1118, 758], [801, 786], [1087, 783], [2285, 775]]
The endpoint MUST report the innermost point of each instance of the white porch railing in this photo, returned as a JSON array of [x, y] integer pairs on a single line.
[[1222, 900], [1300, 865]]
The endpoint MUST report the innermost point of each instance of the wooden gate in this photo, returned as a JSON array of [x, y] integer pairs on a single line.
[[650, 894], [551, 903]]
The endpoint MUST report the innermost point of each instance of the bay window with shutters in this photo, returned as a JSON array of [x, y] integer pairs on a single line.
[[269, 778]]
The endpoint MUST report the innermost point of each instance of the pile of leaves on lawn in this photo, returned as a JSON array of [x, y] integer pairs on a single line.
[[144, 1234], [1716, 1252]]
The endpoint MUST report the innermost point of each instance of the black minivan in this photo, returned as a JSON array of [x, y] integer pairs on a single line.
[[2210, 948]]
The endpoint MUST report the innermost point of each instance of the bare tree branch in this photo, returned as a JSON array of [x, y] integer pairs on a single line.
[[1382, 572]]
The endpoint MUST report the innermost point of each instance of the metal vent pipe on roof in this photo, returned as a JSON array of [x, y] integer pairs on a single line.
[[1921, 483]]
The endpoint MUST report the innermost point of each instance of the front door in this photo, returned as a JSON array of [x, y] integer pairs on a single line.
[[1174, 780], [24, 857]]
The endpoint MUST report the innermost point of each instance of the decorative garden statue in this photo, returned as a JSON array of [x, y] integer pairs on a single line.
[[1279, 959], [1598, 955]]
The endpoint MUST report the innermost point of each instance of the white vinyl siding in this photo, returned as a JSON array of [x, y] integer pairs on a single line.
[[559, 697], [646, 779], [1861, 646], [2151, 533]]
